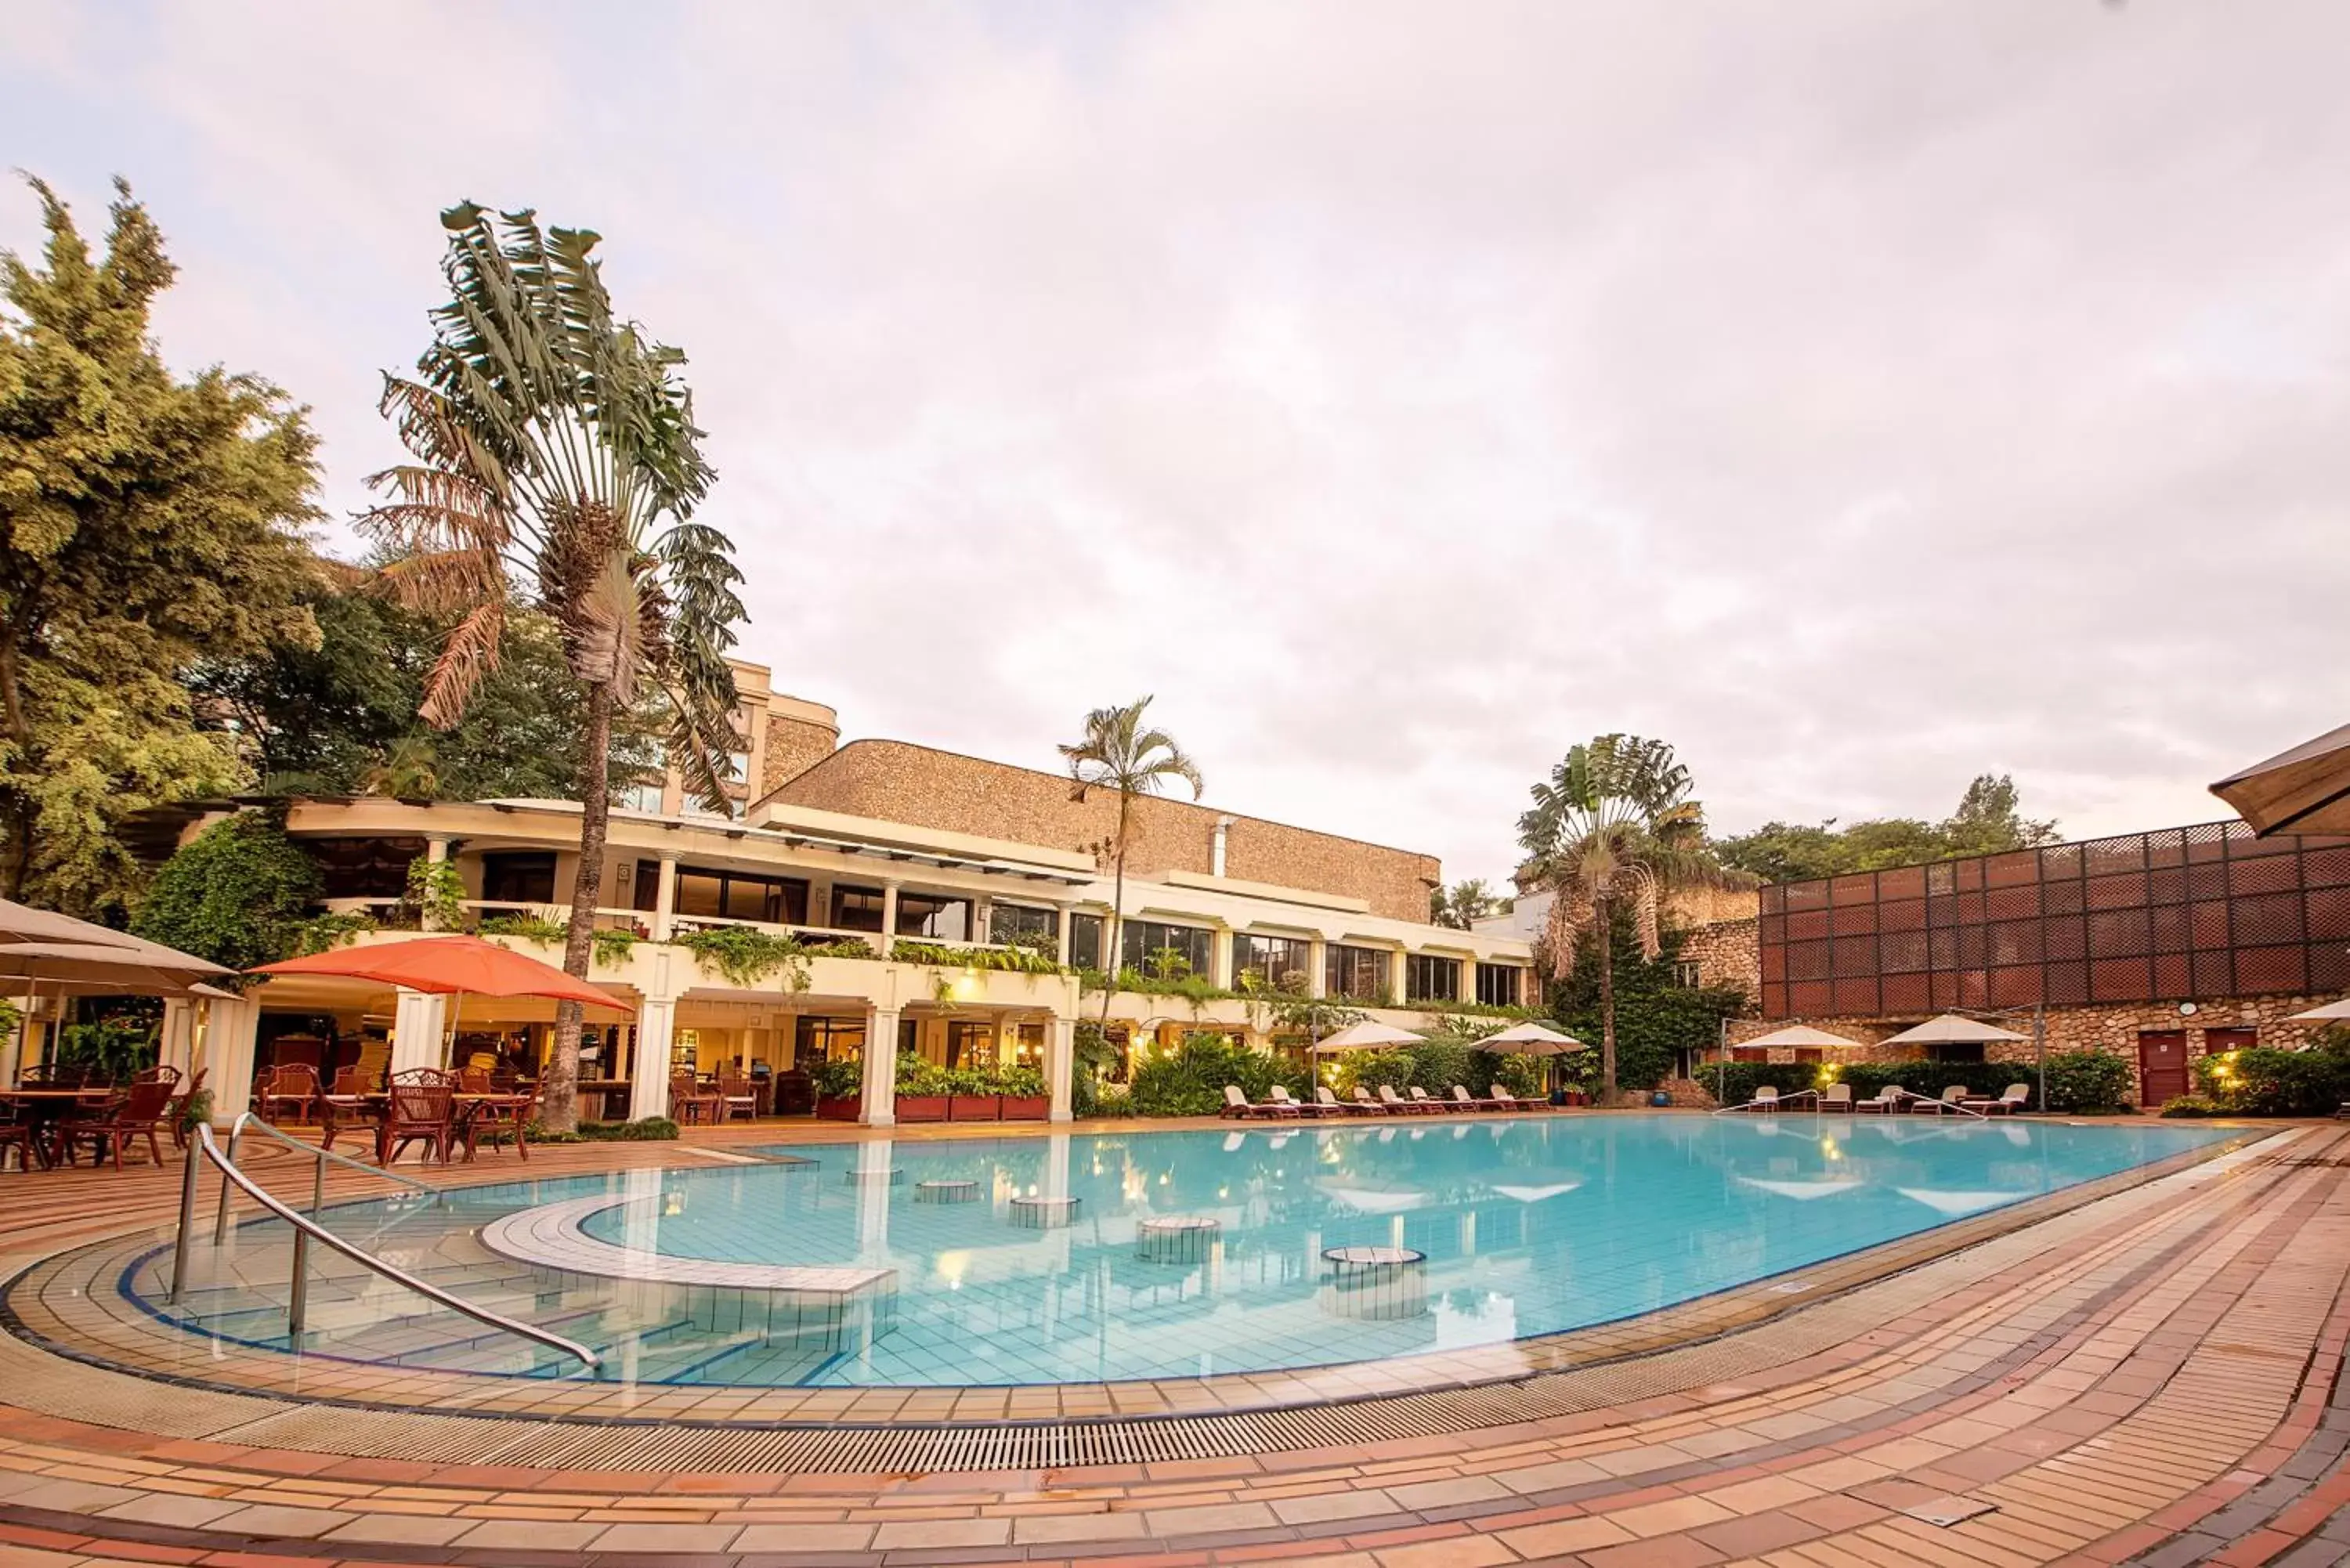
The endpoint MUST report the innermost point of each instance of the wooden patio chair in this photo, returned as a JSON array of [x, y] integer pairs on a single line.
[[421, 1109], [134, 1113], [297, 1084], [512, 1115], [689, 1101], [737, 1097]]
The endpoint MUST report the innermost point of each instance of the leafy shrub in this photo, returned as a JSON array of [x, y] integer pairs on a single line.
[[843, 1078], [1656, 1015], [529, 927], [234, 894], [647, 1129], [611, 948], [2266, 1083], [1189, 1080], [2087, 1083], [1011, 959], [746, 955], [437, 892], [2192, 1105], [112, 1048], [325, 933]]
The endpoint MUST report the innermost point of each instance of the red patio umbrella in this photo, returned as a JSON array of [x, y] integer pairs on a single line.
[[446, 965]]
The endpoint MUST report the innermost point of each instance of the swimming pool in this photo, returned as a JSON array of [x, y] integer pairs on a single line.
[[964, 1263]]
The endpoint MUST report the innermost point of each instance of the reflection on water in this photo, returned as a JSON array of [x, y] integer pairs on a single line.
[[1518, 1227]]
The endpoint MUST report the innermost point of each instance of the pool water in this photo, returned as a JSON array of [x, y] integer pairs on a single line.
[[1528, 1226]]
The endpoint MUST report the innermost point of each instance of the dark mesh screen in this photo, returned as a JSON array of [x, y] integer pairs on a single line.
[[2207, 911]]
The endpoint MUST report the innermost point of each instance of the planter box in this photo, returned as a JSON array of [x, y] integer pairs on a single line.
[[841, 1109], [973, 1107], [1026, 1107], [921, 1107]]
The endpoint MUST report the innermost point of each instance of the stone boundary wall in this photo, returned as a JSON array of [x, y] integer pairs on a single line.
[[900, 782]]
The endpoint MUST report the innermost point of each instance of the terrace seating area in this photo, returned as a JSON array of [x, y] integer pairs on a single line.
[[1415, 1101]]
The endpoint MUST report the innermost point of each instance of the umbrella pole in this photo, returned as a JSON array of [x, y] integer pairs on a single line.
[[456, 1007]]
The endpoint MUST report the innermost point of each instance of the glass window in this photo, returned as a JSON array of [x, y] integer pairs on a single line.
[[816, 1039], [1086, 942], [1427, 977], [1282, 962], [856, 909], [525, 876], [1164, 952], [1497, 984], [646, 890], [701, 893], [970, 1044], [1024, 926], [644, 795], [1358, 974], [933, 917]]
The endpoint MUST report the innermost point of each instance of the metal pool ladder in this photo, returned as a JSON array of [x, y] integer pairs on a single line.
[[201, 1147]]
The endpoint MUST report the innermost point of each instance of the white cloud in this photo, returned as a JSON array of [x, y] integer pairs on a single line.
[[1859, 395]]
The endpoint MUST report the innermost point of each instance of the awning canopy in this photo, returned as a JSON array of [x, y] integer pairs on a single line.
[[2304, 790], [1367, 1035], [451, 965]]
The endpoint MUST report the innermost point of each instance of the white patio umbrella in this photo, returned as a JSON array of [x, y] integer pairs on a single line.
[[1949, 1029], [2330, 1012], [1367, 1035], [91, 969], [2304, 790], [1529, 1040], [1801, 1034]]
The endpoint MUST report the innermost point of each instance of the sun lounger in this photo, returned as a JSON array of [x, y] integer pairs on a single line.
[[2015, 1098], [1428, 1102], [1505, 1101], [1238, 1105], [1884, 1102], [1368, 1106], [1281, 1097], [1836, 1098], [1766, 1098], [1332, 1105], [1463, 1100], [1396, 1103]]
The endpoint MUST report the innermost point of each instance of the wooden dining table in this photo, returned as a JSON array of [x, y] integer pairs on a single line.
[[338, 1112], [45, 1108]]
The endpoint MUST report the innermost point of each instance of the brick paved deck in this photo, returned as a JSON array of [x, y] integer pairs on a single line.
[[2151, 1377]]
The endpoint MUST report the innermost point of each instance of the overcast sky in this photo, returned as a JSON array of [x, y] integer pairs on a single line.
[[1859, 395]]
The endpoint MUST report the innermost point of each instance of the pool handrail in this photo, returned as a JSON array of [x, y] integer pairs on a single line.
[[201, 1147], [318, 1181], [1774, 1101]]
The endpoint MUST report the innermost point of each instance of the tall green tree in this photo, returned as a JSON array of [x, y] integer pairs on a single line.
[[145, 518], [1120, 754], [558, 469], [1462, 905], [1611, 829], [1990, 820], [341, 718]]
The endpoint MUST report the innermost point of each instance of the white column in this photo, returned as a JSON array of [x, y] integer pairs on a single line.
[[1398, 975], [176, 1047], [1220, 957], [982, 917], [436, 853], [873, 1202], [1061, 937], [665, 900], [1317, 968], [889, 916], [880, 1099], [1057, 1165], [420, 1030], [13, 1044], [648, 1069], [1060, 1064], [230, 1026]]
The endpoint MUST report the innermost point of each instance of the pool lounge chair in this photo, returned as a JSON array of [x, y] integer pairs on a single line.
[[1238, 1105], [1428, 1102], [1375, 1107], [1886, 1100], [1398, 1106], [1836, 1098], [1954, 1096], [1281, 1101], [1462, 1100], [2015, 1098], [1505, 1101], [1766, 1098], [1331, 1105]]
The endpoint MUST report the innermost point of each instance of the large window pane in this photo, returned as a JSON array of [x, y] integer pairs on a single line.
[[933, 917], [1427, 977], [1151, 947], [1497, 985], [523, 877], [1281, 963], [1359, 974], [856, 909], [700, 893], [1086, 942], [1021, 925]]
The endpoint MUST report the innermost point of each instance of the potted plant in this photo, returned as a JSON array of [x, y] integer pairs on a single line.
[[839, 1089], [923, 1091], [973, 1096], [1025, 1099]]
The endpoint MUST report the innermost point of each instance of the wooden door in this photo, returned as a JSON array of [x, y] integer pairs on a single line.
[[2161, 1065]]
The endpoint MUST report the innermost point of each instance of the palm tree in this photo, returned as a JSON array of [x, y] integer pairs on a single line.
[[1117, 754], [1613, 827], [556, 468]]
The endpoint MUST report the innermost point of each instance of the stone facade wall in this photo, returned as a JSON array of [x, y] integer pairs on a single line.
[[903, 783], [793, 746], [2113, 1027], [1728, 953]]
